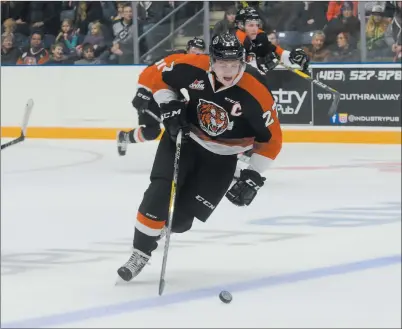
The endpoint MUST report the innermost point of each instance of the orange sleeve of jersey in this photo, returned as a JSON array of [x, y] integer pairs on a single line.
[[200, 61], [278, 50], [146, 77], [241, 35], [256, 89], [151, 73]]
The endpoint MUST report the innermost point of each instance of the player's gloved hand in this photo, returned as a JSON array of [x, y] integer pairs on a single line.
[[267, 63], [299, 57], [174, 118], [261, 45], [142, 99], [246, 187]]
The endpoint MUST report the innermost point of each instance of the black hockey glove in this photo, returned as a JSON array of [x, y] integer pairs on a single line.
[[142, 99], [299, 57], [267, 63], [261, 45], [174, 118], [246, 187]]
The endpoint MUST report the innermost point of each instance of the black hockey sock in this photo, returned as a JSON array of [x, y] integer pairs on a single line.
[[151, 132], [135, 135], [143, 134], [144, 242]]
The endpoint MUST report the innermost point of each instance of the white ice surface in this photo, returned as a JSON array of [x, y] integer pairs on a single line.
[[67, 215]]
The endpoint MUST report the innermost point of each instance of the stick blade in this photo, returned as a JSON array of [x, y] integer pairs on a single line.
[[334, 106], [27, 114], [161, 286]]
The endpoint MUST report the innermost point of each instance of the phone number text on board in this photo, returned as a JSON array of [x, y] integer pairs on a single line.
[[360, 75]]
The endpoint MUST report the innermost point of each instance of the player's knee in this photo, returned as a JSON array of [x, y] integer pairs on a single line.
[[155, 202], [151, 132], [182, 223]]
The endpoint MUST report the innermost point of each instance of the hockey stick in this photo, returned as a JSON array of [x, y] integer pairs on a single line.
[[153, 115], [172, 201], [336, 95], [28, 110], [171, 211]]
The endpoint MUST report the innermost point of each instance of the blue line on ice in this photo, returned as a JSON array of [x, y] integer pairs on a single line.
[[187, 296]]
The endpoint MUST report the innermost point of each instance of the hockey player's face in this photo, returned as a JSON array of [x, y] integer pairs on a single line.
[[226, 71], [196, 51], [251, 29]]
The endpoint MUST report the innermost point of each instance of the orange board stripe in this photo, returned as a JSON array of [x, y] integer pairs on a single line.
[[289, 136]]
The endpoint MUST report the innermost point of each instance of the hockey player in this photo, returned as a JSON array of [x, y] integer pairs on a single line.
[[230, 110], [261, 52], [149, 127]]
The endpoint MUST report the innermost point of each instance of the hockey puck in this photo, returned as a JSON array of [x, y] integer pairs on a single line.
[[225, 296]]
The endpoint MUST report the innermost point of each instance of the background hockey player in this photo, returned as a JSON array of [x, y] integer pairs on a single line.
[[231, 110], [149, 128], [261, 52]]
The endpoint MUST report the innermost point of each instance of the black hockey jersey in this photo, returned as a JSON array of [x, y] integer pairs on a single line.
[[227, 120]]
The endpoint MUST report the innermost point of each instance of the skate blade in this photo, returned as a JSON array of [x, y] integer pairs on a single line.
[[120, 282]]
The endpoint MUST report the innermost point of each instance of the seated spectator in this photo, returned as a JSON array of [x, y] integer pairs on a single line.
[[87, 12], [345, 22], [88, 56], [44, 16], [9, 53], [273, 38], [345, 52], [334, 9], [123, 33], [10, 27], [68, 36], [119, 16], [17, 10], [393, 33], [316, 51], [312, 16], [58, 57], [95, 38], [227, 24], [35, 54], [376, 26]]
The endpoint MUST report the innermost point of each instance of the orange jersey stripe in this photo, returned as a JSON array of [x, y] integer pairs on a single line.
[[150, 73], [200, 61], [256, 89], [272, 148], [157, 225]]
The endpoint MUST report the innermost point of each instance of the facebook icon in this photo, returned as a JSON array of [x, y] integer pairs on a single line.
[[334, 119]]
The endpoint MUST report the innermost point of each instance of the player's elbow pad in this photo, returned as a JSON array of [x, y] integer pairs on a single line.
[[285, 58], [164, 96], [260, 163]]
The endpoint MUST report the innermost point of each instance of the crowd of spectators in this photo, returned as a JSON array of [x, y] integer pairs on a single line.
[[101, 32], [329, 31]]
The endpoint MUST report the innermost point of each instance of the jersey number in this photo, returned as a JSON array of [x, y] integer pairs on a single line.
[[161, 65], [268, 118]]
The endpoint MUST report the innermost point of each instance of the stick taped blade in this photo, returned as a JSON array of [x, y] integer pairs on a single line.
[[27, 114], [334, 106]]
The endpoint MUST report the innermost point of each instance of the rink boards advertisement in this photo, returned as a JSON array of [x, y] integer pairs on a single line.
[[292, 96], [370, 96], [103, 108]]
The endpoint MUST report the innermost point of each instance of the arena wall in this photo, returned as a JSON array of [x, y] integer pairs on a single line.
[[93, 102]]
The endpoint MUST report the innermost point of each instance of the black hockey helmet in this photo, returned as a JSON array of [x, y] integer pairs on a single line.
[[196, 43], [226, 46], [246, 14]]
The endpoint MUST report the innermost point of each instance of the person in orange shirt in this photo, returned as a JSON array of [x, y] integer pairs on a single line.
[[149, 128], [334, 9]]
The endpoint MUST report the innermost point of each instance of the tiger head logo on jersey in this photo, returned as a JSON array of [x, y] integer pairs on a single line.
[[213, 119]]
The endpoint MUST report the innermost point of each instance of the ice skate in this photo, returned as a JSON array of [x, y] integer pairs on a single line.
[[122, 141], [134, 265]]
